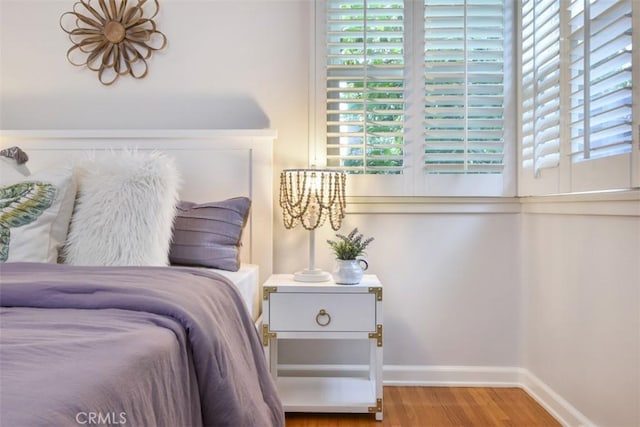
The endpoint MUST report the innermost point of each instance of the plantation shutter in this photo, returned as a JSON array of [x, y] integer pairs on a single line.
[[540, 84], [601, 82], [464, 86], [365, 85]]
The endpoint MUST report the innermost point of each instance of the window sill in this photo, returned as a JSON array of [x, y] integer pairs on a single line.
[[616, 203], [432, 205]]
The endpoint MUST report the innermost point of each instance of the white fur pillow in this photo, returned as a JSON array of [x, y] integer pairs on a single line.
[[125, 209]]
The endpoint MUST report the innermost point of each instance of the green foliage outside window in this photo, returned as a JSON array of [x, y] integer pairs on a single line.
[[371, 108]]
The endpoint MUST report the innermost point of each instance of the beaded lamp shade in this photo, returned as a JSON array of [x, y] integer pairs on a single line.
[[309, 197]]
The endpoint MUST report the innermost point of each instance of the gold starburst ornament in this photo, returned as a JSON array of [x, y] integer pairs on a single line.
[[113, 38]]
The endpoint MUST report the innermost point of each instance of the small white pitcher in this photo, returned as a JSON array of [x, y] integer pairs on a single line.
[[349, 271]]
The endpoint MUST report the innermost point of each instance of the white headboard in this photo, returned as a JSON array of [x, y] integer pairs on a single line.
[[215, 165]]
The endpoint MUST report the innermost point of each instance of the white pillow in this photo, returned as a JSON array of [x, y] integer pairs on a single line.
[[10, 171], [125, 209], [35, 213]]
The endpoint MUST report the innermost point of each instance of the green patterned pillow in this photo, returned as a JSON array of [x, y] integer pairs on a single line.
[[22, 204], [34, 216]]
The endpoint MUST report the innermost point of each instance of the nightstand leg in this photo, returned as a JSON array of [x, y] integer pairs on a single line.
[[267, 356], [375, 372], [273, 353], [372, 364]]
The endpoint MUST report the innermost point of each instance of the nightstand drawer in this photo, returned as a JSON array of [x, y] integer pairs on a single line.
[[302, 312]]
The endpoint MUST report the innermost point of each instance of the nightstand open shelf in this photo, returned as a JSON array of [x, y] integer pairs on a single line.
[[326, 394], [296, 310]]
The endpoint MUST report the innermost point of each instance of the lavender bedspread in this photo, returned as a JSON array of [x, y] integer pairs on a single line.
[[171, 342]]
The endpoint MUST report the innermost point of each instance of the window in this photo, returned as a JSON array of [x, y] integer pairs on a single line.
[[600, 78], [464, 91], [540, 119], [419, 96], [577, 110], [365, 85]]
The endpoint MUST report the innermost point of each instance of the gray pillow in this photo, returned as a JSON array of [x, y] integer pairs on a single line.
[[209, 234]]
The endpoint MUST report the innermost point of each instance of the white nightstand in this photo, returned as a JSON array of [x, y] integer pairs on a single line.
[[293, 310]]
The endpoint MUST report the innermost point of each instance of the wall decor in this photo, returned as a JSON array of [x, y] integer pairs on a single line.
[[113, 38]]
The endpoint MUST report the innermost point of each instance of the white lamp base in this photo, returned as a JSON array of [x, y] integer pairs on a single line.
[[315, 275]]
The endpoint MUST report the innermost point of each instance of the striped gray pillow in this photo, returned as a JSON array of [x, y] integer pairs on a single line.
[[209, 234]]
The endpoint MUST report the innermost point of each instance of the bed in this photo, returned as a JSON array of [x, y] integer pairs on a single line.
[[144, 344]]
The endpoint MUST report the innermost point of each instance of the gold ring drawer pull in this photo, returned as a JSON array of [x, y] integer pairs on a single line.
[[321, 315]]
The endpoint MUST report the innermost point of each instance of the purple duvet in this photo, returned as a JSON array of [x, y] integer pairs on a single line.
[[131, 346]]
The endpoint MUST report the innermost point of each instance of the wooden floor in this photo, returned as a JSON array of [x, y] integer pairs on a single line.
[[440, 407]]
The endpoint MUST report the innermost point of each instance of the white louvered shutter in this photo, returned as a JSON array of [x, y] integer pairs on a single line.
[[540, 64], [601, 80], [464, 86], [365, 85]]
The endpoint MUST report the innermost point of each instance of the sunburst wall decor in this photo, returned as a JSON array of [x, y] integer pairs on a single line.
[[113, 38]]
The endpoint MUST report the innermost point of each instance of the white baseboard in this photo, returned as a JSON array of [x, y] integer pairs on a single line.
[[552, 402], [408, 375], [469, 376], [458, 376]]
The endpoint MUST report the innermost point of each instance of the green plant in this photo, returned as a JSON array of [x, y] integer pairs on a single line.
[[350, 246]]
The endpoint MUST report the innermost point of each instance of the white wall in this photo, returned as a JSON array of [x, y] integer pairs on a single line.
[[228, 64], [451, 286], [453, 281], [245, 64], [581, 311]]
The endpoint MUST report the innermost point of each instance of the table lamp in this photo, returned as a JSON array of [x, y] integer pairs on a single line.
[[309, 197]]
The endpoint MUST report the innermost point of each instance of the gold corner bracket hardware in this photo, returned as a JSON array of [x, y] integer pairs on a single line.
[[267, 335], [377, 408], [376, 290], [267, 290], [377, 335]]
